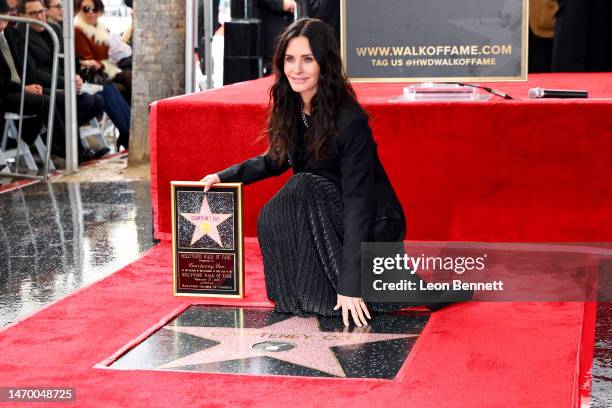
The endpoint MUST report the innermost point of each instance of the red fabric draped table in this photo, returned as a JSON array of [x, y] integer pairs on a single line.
[[500, 170]]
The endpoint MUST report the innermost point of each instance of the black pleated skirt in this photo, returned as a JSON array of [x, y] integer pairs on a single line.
[[300, 233]]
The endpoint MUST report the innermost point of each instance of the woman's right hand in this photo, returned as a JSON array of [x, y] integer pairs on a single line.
[[210, 180], [35, 89]]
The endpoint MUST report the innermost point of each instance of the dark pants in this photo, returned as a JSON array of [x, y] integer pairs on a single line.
[[540, 53], [123, 81], [39, 105], [118, 111], [88, 107], [583, 36], [300, 233]]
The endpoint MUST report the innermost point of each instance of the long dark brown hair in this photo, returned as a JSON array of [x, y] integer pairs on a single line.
[[333, 89]]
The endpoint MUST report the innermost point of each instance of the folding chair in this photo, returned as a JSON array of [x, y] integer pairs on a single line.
[[10, 131], [95, 131]]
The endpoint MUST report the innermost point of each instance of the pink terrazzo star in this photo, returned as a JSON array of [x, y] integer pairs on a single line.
[[312, 346], [206, 223]]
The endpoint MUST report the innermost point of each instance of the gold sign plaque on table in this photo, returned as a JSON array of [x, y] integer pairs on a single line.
[[207, 240]]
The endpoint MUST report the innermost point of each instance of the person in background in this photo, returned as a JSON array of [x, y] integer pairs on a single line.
[[327, 11], [92, 48], [12, 5], [218, 42], [92, 44], [541, 33], [55, 12], [126, 36], [276, 15], [109, 100], [221, 14], [583, 36], [36, 98], [40, 49]]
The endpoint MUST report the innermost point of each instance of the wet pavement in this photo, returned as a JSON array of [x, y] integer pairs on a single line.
[[58, 237], [601, 393]]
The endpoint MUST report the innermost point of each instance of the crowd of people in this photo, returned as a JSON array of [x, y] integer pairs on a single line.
[[570, 36], [565, 36], [103, 61]]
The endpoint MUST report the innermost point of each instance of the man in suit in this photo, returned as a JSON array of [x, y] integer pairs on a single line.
[[541, 33], [327, 11], [583, 36], [35, 101], [55, 12], [275, 16], [36, 98], [40, 48]]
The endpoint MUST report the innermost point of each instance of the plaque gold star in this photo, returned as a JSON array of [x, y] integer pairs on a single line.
[[296, 340], [206, 223]]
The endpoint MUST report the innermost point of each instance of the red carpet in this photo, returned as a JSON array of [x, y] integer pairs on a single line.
[[14, 185], [477, 354]]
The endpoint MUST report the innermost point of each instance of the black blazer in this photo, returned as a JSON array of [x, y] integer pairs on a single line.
[[6, 85], [274, 20], [40, 54], [325, 10], [372, 211]]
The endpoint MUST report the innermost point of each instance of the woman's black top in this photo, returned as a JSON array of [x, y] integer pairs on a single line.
[[300, 141], [371, 210]]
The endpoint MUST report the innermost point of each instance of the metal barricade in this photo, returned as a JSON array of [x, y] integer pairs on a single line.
[[53, 89]]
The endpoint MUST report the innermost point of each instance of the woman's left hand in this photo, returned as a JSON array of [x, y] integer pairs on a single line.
[[357, 308], [91, 64]]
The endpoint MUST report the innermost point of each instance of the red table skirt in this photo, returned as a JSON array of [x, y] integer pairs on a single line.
[[520, 170]]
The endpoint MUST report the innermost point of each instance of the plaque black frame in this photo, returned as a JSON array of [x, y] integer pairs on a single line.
[[236, 250]]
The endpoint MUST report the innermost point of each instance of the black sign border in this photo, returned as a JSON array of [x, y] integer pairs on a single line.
[[521, 77]]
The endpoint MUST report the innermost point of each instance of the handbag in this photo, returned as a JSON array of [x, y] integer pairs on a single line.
[[93, 76]]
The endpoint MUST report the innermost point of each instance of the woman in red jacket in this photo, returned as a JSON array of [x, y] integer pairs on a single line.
[[92, 44]]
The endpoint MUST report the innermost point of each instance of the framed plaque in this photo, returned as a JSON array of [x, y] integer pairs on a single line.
[[434, 40], [207, 240]]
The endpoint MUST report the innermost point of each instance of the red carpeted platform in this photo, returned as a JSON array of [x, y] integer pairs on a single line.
[[521, 170], [477, 354]]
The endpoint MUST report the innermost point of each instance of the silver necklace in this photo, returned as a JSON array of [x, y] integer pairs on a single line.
[[303, 116]]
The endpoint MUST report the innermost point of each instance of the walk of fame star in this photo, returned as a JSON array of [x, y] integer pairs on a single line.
[[260, 341], [206, 223], [297, 341]]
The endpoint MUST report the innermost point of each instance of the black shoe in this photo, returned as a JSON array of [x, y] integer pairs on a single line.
[[123, 140], [86, 155], [445, 298], [102, 152]]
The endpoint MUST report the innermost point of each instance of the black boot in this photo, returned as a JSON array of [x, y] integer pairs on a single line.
[[102, 152], [442, 298], [123, 140], [86, 155]]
